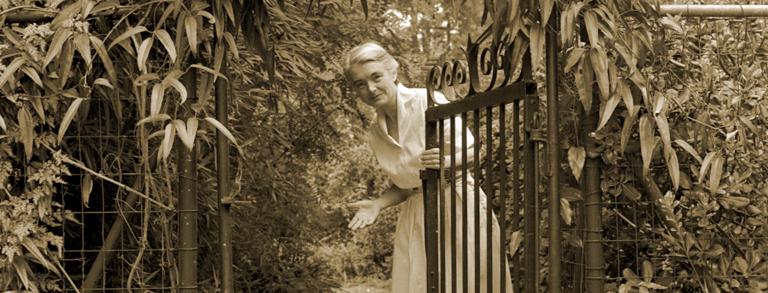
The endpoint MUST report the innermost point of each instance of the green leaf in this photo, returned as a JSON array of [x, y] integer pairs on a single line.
[[573, 58], [156, 100], [626, 130], [590, 21], [576, 158], [181, 130], [143, 54], [71, 111], [716, 173], [647, 271], [659, 106], [674, 168], [103, 82], [37, 104], [167, 144], [85, 190], [232, 45], [154, 118], [32, 73], [2, 123], [647, 142], [97, 44], [59, 38], [83, 45], [600, 65], [223, 130], [65, 63], [672, 24], [23, 271], [29, 244], [610, 105], [688, 148], [127, 34], [584, 82], [165, 39], [176, 84], [545, 7], [190, 26], [208, 70], [740, 264], [623, 90], [663, 126], [10, 70], [192, 124], [27, 131], [565, 211], [705, 165]]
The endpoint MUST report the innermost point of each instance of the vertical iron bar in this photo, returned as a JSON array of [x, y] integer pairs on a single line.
[[464, 206], [516, 192], [530, 212], [502, 198], [553, 147], [222, 159], [429, 183], [441, 204], [478, 145], [452, 178], [489, 198]]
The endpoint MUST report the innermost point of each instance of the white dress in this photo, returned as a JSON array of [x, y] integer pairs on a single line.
[[400, 161]]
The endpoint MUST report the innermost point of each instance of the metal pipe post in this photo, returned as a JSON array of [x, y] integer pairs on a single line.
[[553, 148], [698, 10], [594, 266], [222, 159]]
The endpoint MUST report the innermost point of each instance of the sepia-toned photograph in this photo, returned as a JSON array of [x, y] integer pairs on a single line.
[[384, 146]]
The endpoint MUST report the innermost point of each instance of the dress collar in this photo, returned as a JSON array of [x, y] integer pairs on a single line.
[[404, 98]]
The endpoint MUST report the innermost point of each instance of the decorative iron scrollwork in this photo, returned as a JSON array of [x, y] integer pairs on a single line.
[[485, 68]]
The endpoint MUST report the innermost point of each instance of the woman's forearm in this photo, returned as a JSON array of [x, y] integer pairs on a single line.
[[392, 196]]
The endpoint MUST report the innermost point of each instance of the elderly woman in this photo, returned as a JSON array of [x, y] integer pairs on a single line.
[[397, 139]]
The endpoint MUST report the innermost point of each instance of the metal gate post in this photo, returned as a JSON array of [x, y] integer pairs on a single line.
[[429, 187], [530, 192]]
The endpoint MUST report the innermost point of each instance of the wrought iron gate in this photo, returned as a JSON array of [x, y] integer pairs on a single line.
[[494, 79]]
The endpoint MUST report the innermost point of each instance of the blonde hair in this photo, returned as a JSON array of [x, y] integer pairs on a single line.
[[368, 52]]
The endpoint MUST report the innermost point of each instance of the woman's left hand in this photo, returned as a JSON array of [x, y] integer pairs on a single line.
[[430, 158]]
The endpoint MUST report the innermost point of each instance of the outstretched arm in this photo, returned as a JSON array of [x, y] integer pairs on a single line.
[[368, 210]]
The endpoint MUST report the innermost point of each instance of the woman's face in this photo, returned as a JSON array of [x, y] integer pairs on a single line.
[[374, 83]]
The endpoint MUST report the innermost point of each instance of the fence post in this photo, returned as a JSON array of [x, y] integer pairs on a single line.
[[553, 149], [187, 209], [222, 159], [594, 267]]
